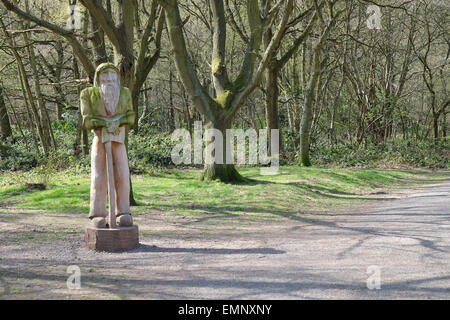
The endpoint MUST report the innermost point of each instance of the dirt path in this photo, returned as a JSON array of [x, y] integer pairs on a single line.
[[405, 237]]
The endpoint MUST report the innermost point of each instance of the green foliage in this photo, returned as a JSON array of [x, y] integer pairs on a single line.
[[149, 150], [422, 154], [16, 156]]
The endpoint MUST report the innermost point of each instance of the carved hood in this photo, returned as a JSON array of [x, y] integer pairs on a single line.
[[100, 68]]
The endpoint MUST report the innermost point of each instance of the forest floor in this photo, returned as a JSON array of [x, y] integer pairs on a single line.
[[307, 233]]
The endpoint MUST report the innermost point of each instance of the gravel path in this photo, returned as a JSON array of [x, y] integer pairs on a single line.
[[403, 243]]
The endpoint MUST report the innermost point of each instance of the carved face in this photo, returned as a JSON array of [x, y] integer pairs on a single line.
[[109, 90]]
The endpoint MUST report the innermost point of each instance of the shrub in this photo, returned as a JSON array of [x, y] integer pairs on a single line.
[[422, 154]]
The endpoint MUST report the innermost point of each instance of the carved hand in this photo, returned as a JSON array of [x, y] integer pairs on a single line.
[[113, 127], [98, 123]]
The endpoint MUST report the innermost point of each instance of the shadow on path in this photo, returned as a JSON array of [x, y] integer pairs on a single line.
[[152, 248]]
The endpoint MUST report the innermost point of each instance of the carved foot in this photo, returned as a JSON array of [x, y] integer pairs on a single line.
[[124, 220], [98, 222]]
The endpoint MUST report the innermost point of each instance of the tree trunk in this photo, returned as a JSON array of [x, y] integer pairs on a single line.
[[43, 113], [85, 142], [146, 106], [332, 133], [30, 118], [221, 108], [57, 74], [436, 125], [171, 117], [78, 131], [305, 126], [98, 42], [444, 125], [26, 87], [271, 104], [5, 126], [220, 171]]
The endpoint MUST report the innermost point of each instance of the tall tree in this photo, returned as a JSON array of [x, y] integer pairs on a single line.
[[24, 79], [305, 125], [121, 34], [220, 110], [275, 65]]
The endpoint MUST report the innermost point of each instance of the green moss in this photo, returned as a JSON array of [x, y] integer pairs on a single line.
[[223, 98], [216, 65], [223, 173]]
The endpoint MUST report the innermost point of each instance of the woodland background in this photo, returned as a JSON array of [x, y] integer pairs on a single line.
[[343, 94]]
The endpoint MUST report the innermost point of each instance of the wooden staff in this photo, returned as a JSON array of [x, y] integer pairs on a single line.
[[107, 138], [111, 186]]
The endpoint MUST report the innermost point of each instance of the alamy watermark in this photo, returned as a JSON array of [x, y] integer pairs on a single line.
[[374, 280], [374, 20], [74, 280], [74, 20], [213, 153]]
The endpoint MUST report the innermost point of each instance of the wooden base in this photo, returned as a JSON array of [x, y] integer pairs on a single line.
[[110, 240]]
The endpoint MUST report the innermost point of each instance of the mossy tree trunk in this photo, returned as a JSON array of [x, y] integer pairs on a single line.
[[220, 170], [219, 110]]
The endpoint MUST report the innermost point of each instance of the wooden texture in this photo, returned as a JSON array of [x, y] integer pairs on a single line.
[[111, 187], [110, 240]]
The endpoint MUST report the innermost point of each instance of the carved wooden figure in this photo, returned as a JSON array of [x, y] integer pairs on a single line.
[[106, 109]]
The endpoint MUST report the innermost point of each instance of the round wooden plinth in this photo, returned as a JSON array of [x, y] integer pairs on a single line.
[[117, 239]]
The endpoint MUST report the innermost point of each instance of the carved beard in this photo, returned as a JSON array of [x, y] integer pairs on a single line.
[[110, 92]]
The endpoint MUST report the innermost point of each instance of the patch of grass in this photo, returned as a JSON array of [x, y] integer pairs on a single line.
[[7, 193], [179, 192], [66, 193]]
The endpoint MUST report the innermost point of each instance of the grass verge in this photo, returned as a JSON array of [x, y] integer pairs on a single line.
[[293, 191]]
